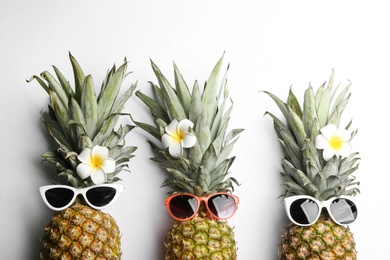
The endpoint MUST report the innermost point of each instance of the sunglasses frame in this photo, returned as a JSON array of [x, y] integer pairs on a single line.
[[199, 200], [288, 201], [83, 191]]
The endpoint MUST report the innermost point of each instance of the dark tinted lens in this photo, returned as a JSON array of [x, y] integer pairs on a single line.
[[183, 206], [100, 196], [59, 197], [304, 211], [343, 210], [222, 205]]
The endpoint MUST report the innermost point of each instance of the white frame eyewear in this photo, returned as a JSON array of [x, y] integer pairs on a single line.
[[343, 213], [83, 191]]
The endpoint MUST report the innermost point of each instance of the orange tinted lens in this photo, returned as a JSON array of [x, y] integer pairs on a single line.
[[183, 206], [222, 205]]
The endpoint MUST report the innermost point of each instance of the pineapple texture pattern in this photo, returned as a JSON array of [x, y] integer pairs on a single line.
[[322, 240], [80, 232], [200, 238]]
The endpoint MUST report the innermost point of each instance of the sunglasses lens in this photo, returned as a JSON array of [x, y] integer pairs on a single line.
[[343, 211], [100, 196], [222, 205], [304, 211], [183, 206], [59, 197]]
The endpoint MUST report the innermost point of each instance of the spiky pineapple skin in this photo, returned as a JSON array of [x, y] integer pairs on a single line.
[[323, 240], [80, 232], [200, 238]]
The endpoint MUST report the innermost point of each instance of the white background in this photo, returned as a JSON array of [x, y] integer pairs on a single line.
[[270, 45]]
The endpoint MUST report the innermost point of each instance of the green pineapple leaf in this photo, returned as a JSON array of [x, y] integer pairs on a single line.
[[203, 167], [305, 169], [78, 119]]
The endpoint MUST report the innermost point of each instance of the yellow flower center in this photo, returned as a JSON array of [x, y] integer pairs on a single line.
[[336, 142], [96, 162], [179, 136]]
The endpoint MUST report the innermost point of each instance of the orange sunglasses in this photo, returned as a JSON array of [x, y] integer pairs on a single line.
[[185, 206]]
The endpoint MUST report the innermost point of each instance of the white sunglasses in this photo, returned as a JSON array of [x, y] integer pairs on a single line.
[[60, 197], [305, 210]]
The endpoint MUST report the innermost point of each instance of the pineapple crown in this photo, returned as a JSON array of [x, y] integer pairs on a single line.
[[318, 159], [198, 119], [82, 125]]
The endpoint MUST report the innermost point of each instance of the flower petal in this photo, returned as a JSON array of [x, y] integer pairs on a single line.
[[328, 131], [327, 154], [100, 151], [108, 165], [321, 142], [172, 127], [85, 156], [176, 149], [344, 134], [345, 150], [189, 140], [84, 170], [98, 176], [167, 140], [185, 125]]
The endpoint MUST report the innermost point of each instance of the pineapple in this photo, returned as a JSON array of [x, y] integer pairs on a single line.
[[308, 170], [200, 168], [78, 121]]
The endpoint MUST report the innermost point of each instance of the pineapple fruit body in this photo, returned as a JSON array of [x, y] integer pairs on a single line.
[[201, 169], [323, 240], [200, 238], [80, 232], [79, 118], [305, 171]]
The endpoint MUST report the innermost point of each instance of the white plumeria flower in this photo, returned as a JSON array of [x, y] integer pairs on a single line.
[[333, 141], [95, 163], [178, 137]]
